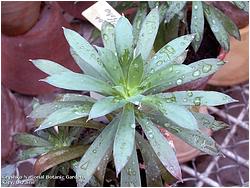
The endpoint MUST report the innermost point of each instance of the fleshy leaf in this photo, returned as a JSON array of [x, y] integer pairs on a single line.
[[197, 24], [64, 115], [56, 157], [105, 106], [174, 8], [148, 34], [135, 72], [195, 98], [49, 67], [112, 65], [30, 140], [215, 24], [160, 145], [96, 152], [169, 52], [162, 10], [85, 51], [74, 97], [33, 152], [108, 36], [124, 138], [130, 174], [79, 82], [153, 173]]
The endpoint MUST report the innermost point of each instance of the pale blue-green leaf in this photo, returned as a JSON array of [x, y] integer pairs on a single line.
[[49, 67], [153, 172], [124, 138], [197, 24], [244, 5], [174, 8], [148, 34], [138, 20], [130, 174], [85, 51], [195, 98], [105, 106], [30, 140], [208, 121], [180, 59], [162, 10], [79, 82], [195, 138], [33, 152], [96, 153], [108, 36], [64, 115], [169, 52], [135, 72], [216, 26], [112, 65], [124, 37], [74, 97], [136, 99], [160, 145], [178, 114], [153, 4]]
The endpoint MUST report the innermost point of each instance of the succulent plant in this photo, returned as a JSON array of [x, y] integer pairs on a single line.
[[131, 81], [171, 12]]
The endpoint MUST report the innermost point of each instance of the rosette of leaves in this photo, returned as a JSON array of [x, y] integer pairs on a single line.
[[132, 82], [173, 14]]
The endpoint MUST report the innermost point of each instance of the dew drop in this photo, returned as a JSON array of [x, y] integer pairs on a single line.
[[206, 68], [159, 63], [85, 165], [105, 37], [196, 73], [197, 101], [179, 81], [215, 28], [150, 135], [133, 125], [195, 7], [136, 65], [94, 151], [190, 93]]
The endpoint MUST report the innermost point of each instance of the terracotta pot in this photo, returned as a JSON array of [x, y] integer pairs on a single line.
[[19, 16], [236, 70], [45, 40], [12, 121]]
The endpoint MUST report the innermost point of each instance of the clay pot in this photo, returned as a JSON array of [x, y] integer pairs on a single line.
[[19, 16], [12, 121], [236, 70], [46, 41]]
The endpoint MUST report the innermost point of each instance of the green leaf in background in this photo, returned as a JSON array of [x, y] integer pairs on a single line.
[[135, 72], [148, 34], [150, 159], [174, 8], [160, 145], [96, 153], [195, 98], [67, 80], [208, 121], [30, 140], [108, 36], [33, 152], [112, 65], [130, 174], [197, 24], [162, 10], [216, 26], [138, 20], [169, 52], [124, 138], [105, 106], [244, 5], [49, 67]]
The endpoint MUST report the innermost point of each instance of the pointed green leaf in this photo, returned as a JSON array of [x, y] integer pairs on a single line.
[[130, 174], [79, 82], [148, 34], [124, 38], [195, 98], [197, 24], [208, 121], [105, 106], [244, 5], [33, 152], [74, 97], [108, 36], [138, 20], [174, 8], [160, 145], [180, 59], [85, 51], [153, 173], [124, 138], [96, 153], [64, 115], [169, 52], [162, 10], [30, 140], [112, 65], [135, 72], [216, 26], [49, 67]]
